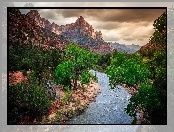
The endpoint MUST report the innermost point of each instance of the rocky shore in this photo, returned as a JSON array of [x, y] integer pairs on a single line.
[[78, 101], [63, 108]]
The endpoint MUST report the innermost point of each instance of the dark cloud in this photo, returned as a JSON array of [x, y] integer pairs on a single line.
[[66, 13], [114, 15], [106, 25], [48, 14], [129, 25]]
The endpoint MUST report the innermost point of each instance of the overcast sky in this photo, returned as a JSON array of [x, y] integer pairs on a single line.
[[124, 26]]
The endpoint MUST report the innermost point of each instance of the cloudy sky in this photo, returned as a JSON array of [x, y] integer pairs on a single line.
[[124, 26]]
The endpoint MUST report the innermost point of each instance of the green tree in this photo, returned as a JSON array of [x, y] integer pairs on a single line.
[[78, 61], [151, 97], [131, 71], [159, 37]]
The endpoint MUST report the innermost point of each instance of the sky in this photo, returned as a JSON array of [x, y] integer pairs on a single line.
[[124, 26]]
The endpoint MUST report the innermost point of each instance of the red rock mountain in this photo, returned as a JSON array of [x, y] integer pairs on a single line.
[[80, 31], [149, 46], [149, 49], [23, 29]]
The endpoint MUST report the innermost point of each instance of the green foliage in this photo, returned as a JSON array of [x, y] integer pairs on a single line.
[[85, 78], [151, 97], [104, 61], [120, 58], [58, 115], [64, 100], [78, 61], [159, 59], [147, 99], [82, 58], [67, 92], [159, 37], [64, 73], [26, 56], [24, 72], [31, 98], [94, 77], [130, 71]]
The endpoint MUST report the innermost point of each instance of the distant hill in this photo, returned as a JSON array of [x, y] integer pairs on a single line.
[[134, 47], [126, 48]]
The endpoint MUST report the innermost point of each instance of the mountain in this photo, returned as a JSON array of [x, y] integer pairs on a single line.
[[125, 48], [25, 30], [133, 46], [80, 32], [150, 46], [149, 49]]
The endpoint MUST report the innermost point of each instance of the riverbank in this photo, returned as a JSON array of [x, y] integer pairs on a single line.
[[62, 111], [140, 118], [63, 108], [108, 107]]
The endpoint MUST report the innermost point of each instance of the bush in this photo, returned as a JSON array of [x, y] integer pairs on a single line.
[[30, 98], [24, 72], [147, 99]]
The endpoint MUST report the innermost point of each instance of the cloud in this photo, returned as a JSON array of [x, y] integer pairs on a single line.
[[48, 13], [113, 29], [123, 25], [106, 25], [130, 38], [113, 15]]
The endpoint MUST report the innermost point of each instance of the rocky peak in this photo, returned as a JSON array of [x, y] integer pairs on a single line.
[[25, 30], [80, 32], [81, 18]]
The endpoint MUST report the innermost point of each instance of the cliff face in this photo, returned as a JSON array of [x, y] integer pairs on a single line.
[[31, 28], [150, 46], [80, 28], [80, 32], [23, 29]]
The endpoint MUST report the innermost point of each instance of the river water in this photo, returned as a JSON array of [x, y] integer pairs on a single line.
[[109, 105]]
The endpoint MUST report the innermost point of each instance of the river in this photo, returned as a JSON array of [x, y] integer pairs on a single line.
[[109, 105]]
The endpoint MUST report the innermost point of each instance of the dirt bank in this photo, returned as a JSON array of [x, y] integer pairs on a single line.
[[63, 109]]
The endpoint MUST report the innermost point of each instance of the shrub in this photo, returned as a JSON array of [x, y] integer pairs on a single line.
[[30, 98]]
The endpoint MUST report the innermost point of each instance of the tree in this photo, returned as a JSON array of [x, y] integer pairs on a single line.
[[159, 37], [127, 71], [78, 61], [149, 74]]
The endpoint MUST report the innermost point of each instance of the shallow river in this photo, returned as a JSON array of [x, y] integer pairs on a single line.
[[109, 106]]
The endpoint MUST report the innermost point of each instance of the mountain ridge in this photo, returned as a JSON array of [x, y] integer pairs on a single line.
[[80, 32], [125, 48]]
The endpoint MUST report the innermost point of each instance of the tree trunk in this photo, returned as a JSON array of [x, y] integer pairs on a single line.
[[75, 80]]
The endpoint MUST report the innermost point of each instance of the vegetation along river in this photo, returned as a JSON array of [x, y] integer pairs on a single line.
[[108, 107]]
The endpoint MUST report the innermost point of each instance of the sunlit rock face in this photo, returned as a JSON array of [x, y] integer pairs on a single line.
[[25, 30], [80, 32]]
